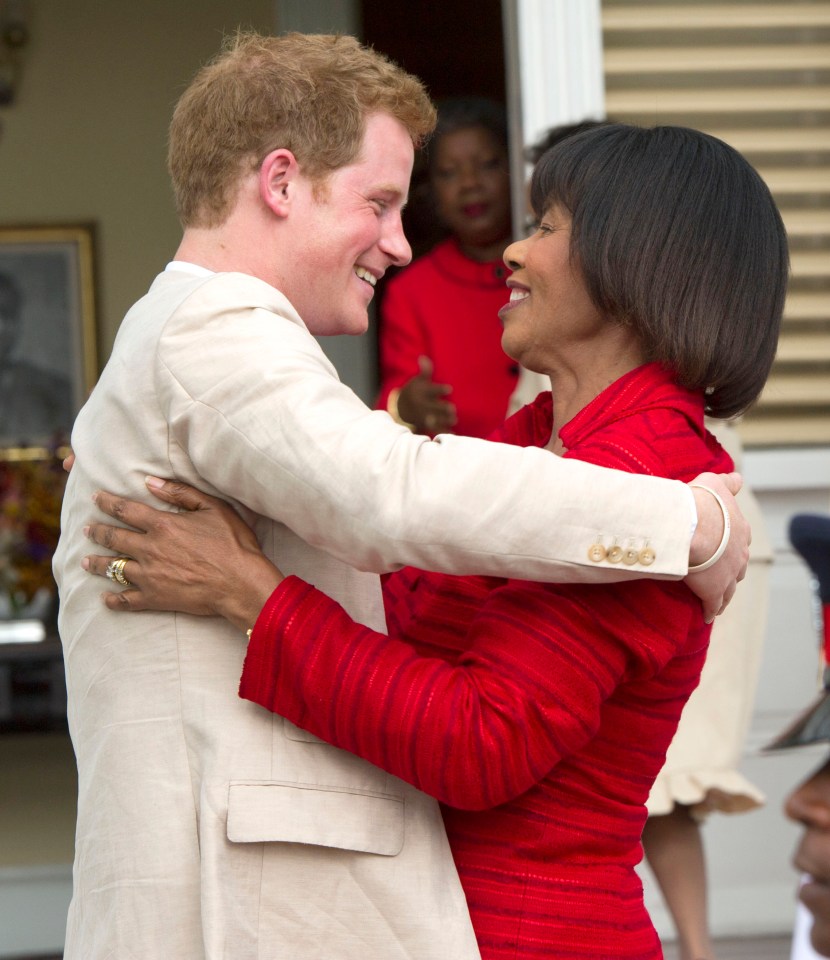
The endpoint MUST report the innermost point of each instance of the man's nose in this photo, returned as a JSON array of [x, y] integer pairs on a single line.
[[395, 245]]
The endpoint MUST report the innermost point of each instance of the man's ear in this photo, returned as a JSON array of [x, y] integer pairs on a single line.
[[278, 173]]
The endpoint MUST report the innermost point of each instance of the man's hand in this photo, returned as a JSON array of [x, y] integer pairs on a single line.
[[204, 560], [716, 586]]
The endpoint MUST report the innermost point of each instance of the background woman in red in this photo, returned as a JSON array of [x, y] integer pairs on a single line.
[[442, 367], [540, 714]]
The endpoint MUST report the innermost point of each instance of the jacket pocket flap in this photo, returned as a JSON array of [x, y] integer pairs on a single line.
[[297, 733], [323, 816]]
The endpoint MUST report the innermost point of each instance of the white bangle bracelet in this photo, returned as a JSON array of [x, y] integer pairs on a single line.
[[724, 540]]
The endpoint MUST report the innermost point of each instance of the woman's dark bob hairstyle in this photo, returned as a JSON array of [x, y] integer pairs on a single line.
[[677, 235]]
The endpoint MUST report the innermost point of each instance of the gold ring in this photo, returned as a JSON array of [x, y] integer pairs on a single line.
[[115, 571]]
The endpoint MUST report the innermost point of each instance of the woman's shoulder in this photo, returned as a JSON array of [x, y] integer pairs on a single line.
[[646, 423], [659, 442]]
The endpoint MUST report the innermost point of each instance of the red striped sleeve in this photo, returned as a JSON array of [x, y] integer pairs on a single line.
[[528, 690]]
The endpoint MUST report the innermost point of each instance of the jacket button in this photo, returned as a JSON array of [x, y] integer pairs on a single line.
[[631, 556], [597, 553], [615, 554], [647, 556]]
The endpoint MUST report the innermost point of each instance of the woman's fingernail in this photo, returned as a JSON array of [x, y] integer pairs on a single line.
[[86, 532], [85, 563], [154, 482]]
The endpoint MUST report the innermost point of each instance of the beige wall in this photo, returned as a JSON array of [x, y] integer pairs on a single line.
[[85, 138]]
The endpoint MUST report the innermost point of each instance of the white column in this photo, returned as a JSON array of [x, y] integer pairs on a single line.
[[553, 53]]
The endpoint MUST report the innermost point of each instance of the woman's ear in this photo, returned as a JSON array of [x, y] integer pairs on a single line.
[[277, 179]]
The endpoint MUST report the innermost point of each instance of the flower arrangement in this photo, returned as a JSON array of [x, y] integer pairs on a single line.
[[32, 481]]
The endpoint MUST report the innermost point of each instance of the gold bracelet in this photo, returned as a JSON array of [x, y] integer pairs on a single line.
[[392, 410]]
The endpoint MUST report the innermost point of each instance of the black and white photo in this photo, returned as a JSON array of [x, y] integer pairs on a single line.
[[47, 331]]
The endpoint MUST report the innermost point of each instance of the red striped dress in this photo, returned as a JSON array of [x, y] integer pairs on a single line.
[[538, 714]]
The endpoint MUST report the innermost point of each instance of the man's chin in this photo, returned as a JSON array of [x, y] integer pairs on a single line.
[[354, 326], [342, 327]]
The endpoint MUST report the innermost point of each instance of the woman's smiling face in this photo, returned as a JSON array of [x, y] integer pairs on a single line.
[[549, 309]]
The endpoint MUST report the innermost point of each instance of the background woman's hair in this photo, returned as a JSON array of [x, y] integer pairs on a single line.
[[460, 113], [678, 235]]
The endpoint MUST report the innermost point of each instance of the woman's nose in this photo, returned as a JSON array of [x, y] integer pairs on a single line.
[[810, 802], [514, 255]]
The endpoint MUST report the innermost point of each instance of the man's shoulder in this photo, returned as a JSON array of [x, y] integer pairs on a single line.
[[233, 290], [178, 300]]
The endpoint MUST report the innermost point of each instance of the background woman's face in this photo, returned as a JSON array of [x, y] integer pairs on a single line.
[[470, 179]]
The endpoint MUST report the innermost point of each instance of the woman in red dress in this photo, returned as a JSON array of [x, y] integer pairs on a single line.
[[539, 714]]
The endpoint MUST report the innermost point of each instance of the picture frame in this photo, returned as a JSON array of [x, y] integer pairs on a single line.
[[48, 365], [48, 334]]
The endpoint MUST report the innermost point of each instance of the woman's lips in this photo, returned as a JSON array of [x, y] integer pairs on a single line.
[[517, 295], [473, 210]]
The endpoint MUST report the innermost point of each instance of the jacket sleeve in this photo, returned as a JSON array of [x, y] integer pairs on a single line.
[[256, 407], [539, 661]]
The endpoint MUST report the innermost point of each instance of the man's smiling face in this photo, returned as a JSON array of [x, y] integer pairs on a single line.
[[350, 232]]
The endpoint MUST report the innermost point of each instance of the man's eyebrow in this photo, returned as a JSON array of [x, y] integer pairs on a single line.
[[392, 190]]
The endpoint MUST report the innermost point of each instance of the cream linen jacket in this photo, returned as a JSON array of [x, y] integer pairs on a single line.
[[208, 828]]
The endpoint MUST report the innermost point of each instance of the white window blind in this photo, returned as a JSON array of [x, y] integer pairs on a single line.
[[757, 75]]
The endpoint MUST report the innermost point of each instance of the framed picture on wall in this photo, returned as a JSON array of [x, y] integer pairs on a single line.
[[48, 365], [48, 356]]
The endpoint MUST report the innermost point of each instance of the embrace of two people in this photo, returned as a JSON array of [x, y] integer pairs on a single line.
[[532, 682]]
